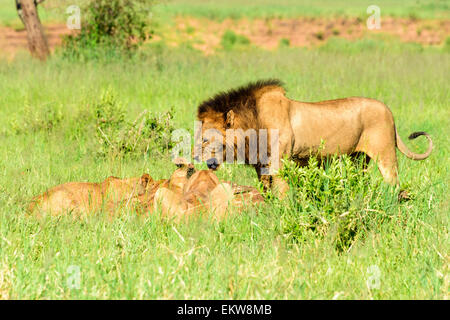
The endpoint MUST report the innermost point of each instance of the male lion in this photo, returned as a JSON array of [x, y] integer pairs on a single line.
[[202, 192], [82, 198], [342, 126]]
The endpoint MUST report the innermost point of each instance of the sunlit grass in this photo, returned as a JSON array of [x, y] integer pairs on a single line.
[[245, 257]]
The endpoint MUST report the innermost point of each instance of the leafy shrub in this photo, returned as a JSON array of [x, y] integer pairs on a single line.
[[33, 119], [284, 42], [230, 40], [336, 198], [319, 35], [148, 134], [109, 27], [109, 113], [446, 46]]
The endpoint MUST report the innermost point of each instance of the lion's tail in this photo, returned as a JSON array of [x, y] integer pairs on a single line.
[[415, 156]]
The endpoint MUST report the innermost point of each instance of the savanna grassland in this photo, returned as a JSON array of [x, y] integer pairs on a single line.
[[339, 234]]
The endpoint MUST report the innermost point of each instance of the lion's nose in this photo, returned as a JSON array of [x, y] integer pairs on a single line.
[[212, 163]]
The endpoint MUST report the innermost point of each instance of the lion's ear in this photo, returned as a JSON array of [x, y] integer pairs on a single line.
[[230, 119]]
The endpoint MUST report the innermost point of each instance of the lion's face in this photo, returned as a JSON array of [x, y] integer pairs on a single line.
[[214, 143]]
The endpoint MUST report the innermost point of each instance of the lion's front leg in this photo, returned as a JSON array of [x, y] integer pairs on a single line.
[[273, 182], [268, 173]]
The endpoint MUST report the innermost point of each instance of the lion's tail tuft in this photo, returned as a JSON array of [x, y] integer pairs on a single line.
[[412, 155], [417, 134]]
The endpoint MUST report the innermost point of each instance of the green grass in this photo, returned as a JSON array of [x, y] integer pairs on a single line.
[[49, 13], [294, 8], [426, 9], [255, 255]]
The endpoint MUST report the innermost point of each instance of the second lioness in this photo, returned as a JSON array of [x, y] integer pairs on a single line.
[[204, 192]]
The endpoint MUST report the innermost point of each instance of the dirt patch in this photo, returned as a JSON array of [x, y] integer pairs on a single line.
[[205, 35], [12, 41], [305, 32]]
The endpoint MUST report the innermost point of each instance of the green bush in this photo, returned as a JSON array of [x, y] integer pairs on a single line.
[[109, 28], [34, 119], [149, 134], [446, 47], [284, 42], [335, 198], [231, 40]]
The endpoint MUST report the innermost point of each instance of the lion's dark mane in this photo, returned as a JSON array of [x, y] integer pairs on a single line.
[[240, 100]]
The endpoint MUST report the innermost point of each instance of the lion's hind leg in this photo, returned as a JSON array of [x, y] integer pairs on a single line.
[[385, 158]]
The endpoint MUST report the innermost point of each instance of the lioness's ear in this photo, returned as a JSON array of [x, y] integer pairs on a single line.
[[146, 179], [230, 119]]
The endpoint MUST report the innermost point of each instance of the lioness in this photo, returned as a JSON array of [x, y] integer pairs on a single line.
[[342, 126], [202, 192], [175, 184], [82, 198]]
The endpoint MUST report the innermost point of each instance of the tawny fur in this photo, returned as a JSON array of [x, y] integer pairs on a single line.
[[203, 192], [175, 184], [84, 198], [342, 126]]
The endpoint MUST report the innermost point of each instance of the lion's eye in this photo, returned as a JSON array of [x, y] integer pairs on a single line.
[[205, 140]]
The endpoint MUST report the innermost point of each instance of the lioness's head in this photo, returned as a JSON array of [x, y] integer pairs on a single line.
[[180, 176], [201, 184], [116, 187]]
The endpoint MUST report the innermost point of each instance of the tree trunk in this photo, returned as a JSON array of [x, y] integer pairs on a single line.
[[37, 43]]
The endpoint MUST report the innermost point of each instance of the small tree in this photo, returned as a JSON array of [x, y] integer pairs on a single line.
[[37, 43], [115, 25]]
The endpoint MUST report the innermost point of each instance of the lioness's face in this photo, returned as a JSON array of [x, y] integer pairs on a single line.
[[181, 175], [202, 182]]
